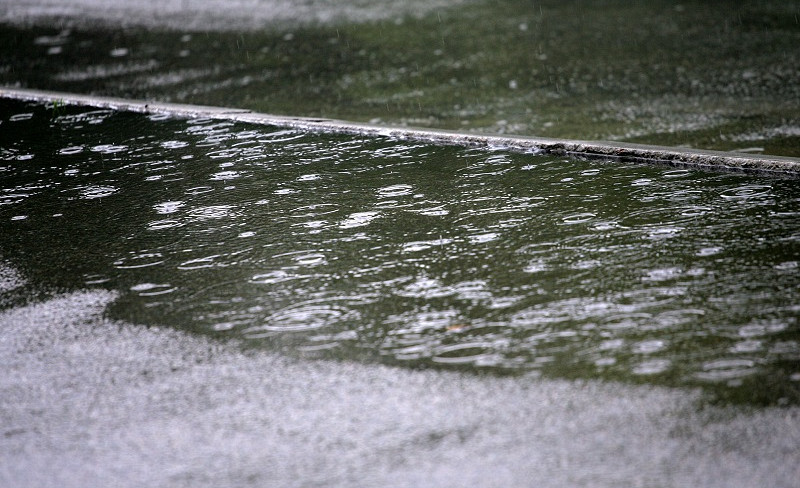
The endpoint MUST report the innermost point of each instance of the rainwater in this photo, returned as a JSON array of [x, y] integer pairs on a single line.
[[375, 249]]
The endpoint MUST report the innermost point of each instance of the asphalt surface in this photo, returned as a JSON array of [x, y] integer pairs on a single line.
[[85, 402]]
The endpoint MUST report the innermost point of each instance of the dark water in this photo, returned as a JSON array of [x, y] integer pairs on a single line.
[[401, 252], [716, 75]]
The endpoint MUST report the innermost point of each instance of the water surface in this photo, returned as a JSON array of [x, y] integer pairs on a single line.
[[714, 75], [374, 249]]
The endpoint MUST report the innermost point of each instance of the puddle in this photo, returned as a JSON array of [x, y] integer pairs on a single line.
[[540, 268]]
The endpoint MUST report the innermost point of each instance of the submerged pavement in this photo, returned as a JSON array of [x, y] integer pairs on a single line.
[[85, 401]]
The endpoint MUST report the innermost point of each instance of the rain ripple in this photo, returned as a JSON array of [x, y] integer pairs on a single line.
[[304, 316]]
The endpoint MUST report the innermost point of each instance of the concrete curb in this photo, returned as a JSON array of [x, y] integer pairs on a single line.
[[615, 151]]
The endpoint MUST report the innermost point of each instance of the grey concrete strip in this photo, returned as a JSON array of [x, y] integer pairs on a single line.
[[616, 151], [88, 402]]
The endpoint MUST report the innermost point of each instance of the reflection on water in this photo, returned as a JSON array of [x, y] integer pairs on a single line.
[[408, 253]]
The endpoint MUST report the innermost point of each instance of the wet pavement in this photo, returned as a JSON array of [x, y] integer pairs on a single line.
[[719, 75], [87, 399], [91, 402]]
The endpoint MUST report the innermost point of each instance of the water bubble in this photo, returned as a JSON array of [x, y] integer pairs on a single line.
[[97, 191], [664, 274], [200, 263], [309, 177], [787, 266], [664, 233], [439, 211], [726, 369], [603, 362], [762, 328], [95, 279], [174, 144], [578, 218], [225, 175], [310, 259], [747, 347], [709, 251], [169, 207], [611, 344], [152, 289], [164, 224], [648, 347], [395, 191], [304, 316], [109, 148], [654, 366], [482, 238], [359, 219], [20, 117], [747, 192], [212, 212], [471, 352], [71, 150], [13, 198], [425, 287], [417, 246], [536, 266], [273, 277], [137, 260], [56, 40]]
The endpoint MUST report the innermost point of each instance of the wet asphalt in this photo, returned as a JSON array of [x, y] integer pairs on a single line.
[[90, 402]]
